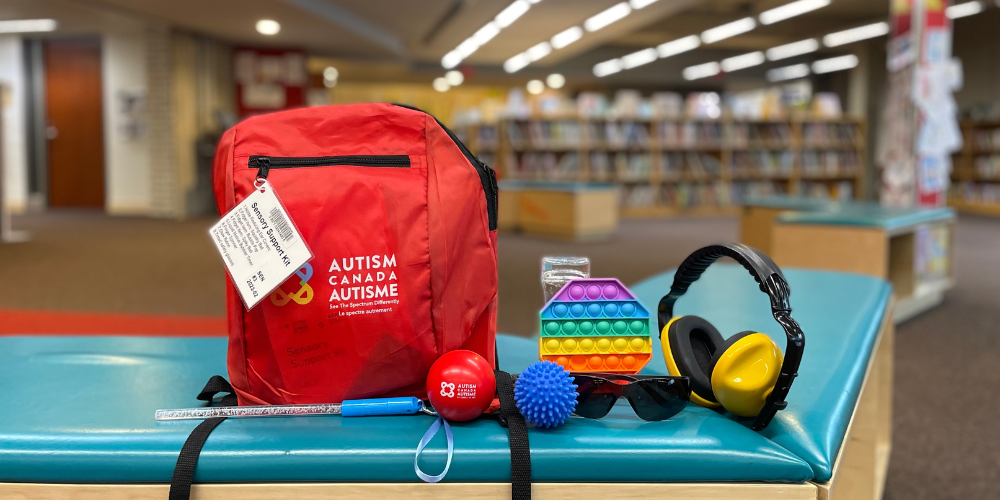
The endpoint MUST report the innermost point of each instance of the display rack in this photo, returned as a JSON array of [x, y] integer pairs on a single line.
[[976, 170], [680, 166]]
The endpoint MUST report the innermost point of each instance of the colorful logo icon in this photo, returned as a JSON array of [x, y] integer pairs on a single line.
[[303, 296], [447, 390]]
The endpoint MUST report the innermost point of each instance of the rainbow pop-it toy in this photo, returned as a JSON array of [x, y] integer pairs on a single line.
[[595, 325]]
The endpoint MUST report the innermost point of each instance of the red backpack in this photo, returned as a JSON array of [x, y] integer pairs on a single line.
[[401, 221]]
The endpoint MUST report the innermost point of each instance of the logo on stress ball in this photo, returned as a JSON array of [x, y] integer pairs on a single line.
[[305, 293], [447, 390]]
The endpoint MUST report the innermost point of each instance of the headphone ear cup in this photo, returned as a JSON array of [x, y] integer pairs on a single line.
[[744, 372], [688, 350]]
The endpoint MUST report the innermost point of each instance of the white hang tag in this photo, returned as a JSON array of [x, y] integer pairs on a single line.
[[259, 244]]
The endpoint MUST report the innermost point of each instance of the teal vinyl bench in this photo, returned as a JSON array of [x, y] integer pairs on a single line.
[[79, 420]]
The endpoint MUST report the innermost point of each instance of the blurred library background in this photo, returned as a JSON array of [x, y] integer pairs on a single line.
[[631, 132]]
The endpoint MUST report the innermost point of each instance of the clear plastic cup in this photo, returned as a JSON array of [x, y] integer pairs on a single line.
[[557, 271]]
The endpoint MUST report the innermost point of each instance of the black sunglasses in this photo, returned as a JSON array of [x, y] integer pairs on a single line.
[[653, 397]]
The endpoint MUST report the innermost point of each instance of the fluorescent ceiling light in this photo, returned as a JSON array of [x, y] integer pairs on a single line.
[[489, 31], [607, 68], [636, 59], [486, 33], [27, 25], [788, 72], [516, 63], [701, 71], [454, 78], [538, 51], [607, 17], [678, 46], [835, 64], [728, 30], [638, 4], [555, 81], [566, 37], [451, 59], [513, 11], [744, 61], [792, 49], [466, 48], [856, 34], [963, 9], [268, 27], [440, 84], [535, 87], [790, 10]]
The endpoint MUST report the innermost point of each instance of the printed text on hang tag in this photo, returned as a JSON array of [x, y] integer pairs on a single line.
[[259, 245]]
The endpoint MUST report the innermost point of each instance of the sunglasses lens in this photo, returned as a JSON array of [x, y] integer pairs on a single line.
[[595, 397], [657, 399]]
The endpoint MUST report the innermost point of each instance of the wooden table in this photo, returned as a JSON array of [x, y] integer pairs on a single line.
[[911, 248], [563, 210]]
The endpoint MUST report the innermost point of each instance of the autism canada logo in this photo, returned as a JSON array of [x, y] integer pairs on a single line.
[[303, 296], [447, 390]]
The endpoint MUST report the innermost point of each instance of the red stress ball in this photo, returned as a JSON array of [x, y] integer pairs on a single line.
[[461, 385]]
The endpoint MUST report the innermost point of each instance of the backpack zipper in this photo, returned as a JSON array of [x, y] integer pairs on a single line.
[[264, 164], [487, 175]]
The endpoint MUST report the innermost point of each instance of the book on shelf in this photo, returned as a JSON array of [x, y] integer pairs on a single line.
[[762, 163], [685, 195], [548, 166], [703, 165], [830, 163], [976, 192], [830, 134], [988, 167], [633, 166], [690, 134], [488, 137], [761, 135], [600, 166], [638, 196], [619, 135], [755, 189], [986, 140], [671, 166]]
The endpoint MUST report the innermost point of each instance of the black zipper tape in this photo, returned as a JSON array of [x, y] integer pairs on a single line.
[[264, 164], [486, 174]]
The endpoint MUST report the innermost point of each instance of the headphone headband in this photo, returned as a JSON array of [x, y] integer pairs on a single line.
[[771, 281]]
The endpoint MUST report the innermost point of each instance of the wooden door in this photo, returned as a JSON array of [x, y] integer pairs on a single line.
[[75, 122]]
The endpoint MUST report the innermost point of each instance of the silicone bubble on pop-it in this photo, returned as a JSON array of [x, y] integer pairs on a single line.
[[594, 310], [596, 325], [600, 362], [594, 345]]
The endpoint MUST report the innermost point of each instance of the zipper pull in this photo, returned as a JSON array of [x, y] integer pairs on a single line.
[[263, 165]]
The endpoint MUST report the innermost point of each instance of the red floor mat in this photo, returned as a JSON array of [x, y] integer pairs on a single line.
[[37, 322]]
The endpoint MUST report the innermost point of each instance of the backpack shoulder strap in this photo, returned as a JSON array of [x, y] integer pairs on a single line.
[[180, 482], [520, 451]]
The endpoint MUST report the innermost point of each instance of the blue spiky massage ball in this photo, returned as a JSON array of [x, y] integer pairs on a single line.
[[545, 394]]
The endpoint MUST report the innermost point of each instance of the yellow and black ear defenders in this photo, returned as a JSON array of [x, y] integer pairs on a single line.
[[746, 374]]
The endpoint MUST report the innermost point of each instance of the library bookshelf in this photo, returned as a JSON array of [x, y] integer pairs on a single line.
[[667, 167], [975, 171]]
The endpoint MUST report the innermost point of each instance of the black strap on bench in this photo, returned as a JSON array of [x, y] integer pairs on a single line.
[[510, 417], [520, 453], [180, 483]]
